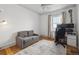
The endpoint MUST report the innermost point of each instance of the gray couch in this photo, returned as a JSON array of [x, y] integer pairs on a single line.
[[26, 38]]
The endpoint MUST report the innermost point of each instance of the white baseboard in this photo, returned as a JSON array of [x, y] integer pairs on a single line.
[[8, 45]]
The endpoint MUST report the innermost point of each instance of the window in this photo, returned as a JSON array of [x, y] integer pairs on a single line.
[[57, 19]]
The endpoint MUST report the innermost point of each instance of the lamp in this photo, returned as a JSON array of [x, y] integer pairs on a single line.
[[3, 22]]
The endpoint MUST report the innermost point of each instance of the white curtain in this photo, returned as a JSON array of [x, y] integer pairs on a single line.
[[49, 25]]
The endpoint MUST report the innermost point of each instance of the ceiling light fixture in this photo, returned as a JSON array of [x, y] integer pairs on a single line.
[[45, 7]]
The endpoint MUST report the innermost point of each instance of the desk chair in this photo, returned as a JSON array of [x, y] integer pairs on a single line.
[[60, 37]]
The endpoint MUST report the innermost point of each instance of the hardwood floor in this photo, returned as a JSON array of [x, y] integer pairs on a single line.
[[10, 51], [71, 50], [14, 49]]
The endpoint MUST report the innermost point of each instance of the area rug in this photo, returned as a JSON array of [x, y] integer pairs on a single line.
[[43, 47]]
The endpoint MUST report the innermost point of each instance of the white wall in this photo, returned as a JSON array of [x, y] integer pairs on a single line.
[[18, 19], [44, 25]]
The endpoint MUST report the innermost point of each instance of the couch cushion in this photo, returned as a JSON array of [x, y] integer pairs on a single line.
[[30, 33], [23, 34], [35, 37], [25, 38]]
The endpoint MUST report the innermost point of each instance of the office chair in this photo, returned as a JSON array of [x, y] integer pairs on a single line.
[[60, 37]]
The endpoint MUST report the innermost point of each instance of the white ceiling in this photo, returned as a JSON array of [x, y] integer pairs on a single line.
[[33, 7], [44, 8]]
